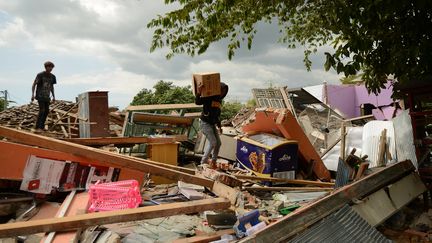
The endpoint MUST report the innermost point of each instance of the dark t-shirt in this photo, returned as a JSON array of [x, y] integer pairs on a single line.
[[44, 83], [211, 108]]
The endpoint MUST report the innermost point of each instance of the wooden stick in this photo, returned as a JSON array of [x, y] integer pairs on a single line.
[[288, 181], [363, 167], [343, 132], [61, 126], [85, 220], [382, 147], [309, 189], [359, 118], [70, 114]]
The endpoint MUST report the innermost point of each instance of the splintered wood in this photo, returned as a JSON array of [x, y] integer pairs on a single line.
[[62, 120], [24, 117]]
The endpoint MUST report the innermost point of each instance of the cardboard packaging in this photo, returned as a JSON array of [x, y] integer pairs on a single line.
[[268, 155], [209, 81]]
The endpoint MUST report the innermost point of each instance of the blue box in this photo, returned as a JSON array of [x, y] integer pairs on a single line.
[[268, 155]]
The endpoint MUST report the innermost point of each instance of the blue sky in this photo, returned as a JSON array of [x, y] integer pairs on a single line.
[[104, 45]]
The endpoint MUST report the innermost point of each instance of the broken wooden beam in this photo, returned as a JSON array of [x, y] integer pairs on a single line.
[[288, 181], [304, 217], [102, 156], [162, 107], [138, 117], [101, 218], [101, 141]]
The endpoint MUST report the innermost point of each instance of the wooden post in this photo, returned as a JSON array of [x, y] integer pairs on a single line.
[[342, 148], [382, 148]]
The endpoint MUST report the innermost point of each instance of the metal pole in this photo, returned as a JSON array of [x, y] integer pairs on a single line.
[[5, 100]]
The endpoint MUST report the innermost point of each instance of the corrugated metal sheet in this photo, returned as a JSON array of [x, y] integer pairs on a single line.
[[345, 225], [404, 138], [343, 173], [371, 136]]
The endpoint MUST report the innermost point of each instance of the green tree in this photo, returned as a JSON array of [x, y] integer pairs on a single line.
[[164, 93], [2, 104], [379, 38], [230, 109]]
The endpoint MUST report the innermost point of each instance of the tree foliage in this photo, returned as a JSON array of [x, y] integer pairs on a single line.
[[377, 37], [164, 93], [2, 104], [230, 109]]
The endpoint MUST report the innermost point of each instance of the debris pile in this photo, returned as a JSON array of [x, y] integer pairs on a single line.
[[24, 117], [287, 169]]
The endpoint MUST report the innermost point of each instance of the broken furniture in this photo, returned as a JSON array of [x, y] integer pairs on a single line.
[[93, 106]]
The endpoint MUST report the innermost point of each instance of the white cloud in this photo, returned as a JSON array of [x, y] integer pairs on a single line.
[[114, 32], [13, 33]]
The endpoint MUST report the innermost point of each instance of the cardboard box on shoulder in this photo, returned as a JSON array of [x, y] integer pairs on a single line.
[[210, 83]]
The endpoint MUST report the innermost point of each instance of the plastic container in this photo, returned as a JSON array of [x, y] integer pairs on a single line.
[[114, 196]]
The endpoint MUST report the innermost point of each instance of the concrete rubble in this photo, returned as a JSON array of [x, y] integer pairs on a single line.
[[255, 193]]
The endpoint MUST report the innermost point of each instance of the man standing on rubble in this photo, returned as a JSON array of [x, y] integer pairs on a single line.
[[210, 123], [44, 85]]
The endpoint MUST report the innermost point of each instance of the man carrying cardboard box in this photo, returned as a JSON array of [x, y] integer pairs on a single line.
[[210, 122]]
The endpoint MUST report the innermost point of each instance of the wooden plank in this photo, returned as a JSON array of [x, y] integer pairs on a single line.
[[161, 118], [262, 188], [288, 181], [305, 216], [381, 149], [78, 207], [206, 238], [162, 107], [343, 138], [65, 133], [86, 220], [363, 167], [101, 141], [101, 155], [359, 118], [62, 213]]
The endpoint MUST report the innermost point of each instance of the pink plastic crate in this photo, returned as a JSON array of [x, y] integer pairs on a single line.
[[114, 196]]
